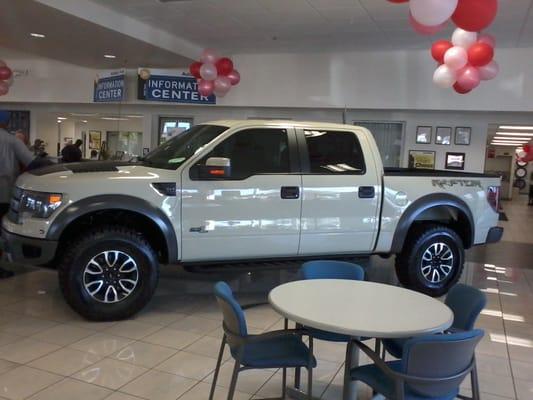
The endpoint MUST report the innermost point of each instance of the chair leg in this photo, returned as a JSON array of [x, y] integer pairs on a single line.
[[310, 370], [284, 383], [297, 377], [474, 382], [347, 368], [217, 369], [233, 383]]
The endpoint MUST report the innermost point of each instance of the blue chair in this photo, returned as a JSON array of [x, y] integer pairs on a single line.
[[432, 367], [466, 303], [277, 349], [330, 269]]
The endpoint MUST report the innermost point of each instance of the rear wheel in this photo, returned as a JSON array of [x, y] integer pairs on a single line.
[[432, 260], [109, 274]]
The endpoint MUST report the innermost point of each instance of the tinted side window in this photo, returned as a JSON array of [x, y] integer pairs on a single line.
[[332, 152], [255, 151]]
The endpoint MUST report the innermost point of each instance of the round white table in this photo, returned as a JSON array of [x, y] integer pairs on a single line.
[[360, 309]]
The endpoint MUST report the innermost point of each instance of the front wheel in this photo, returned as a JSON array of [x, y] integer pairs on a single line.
[[108, 274], [431, 261]]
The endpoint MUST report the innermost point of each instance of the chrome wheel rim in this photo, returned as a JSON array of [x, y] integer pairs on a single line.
[[437, 262], [110, 276]]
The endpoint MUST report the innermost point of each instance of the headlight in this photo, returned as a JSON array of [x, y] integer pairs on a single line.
[[39, 204]]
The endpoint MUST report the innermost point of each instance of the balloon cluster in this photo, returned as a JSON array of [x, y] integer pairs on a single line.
[[6, 78], [467, 59], [526, 154], [213, 74]]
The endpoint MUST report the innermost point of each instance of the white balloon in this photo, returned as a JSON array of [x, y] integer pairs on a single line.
[[456, 58], [489, 71], [464, 38], [208, 72], [444, 77], [432, 12]]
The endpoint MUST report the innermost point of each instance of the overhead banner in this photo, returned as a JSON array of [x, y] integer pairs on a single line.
[[110, 87], [169, 86]]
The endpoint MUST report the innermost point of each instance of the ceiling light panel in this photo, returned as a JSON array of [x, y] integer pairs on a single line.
[[517, 127], [515, 134]]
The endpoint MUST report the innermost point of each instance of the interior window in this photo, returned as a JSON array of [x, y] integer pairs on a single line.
[[255, 151], [334, 152]]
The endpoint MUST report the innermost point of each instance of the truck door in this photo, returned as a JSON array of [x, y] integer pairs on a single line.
[[341, 193], [254, 212]]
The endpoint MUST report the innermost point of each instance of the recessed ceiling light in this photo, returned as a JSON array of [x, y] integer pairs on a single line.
[[507, 144], [84, 121], [114, 118], [109, 56], [134, 116], [37, 35], [515, 134], [517, 127], [61, 118]]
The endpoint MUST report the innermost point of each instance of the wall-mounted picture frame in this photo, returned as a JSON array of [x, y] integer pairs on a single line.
[[423, 134], [421, 159], [455, 161], [443, 135], [95, 140], [146, 150], [462, 135]]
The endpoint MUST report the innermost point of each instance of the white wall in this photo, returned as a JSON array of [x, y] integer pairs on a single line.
[[359, 80]]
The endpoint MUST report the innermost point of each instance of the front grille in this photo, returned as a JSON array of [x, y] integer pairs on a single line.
[[13, 214]]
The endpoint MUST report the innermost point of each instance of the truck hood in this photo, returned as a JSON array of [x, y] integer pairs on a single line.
[[109, 176]]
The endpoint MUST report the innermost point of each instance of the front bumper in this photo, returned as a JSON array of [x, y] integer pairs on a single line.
[[26, 250], [494, 235]]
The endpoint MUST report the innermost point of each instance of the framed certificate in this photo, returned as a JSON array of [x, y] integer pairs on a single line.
[[455, 161], [443, 135], [421, 159], [462, 135], [423, 134]]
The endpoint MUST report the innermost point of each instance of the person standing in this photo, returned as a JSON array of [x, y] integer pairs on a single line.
[[13, 155], [37, 147], [72, 152]]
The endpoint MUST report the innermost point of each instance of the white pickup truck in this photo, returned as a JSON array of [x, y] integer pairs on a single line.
[[243, 191]]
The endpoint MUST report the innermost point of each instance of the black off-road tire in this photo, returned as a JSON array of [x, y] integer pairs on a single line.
[[409, 262], [79, 253]]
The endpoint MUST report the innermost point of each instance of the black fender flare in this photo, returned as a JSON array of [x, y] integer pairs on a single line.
[[425, 203], [116, 202]]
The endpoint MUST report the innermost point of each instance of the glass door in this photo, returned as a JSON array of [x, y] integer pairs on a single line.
[[172, 126]]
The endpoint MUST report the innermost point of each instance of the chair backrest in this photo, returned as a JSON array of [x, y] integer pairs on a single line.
[[446, 357], [234, 319], [466, 302], [331, 269]]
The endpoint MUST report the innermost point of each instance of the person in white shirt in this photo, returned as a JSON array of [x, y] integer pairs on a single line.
[[13, 155]]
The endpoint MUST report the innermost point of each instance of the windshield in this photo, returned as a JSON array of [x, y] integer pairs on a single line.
[[176, 151]]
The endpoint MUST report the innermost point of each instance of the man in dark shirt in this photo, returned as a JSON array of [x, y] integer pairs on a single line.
[[72, 152]]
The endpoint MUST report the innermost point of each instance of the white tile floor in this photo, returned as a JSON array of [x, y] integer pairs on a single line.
[[169, 350]]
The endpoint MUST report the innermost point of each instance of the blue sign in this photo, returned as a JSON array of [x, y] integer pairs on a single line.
[[172, 89], [109, 87]]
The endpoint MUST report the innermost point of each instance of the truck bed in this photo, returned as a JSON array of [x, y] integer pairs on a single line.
[[431, 172]]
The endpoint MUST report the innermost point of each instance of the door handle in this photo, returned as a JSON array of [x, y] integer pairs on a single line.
[[367, 192], [290, 192]]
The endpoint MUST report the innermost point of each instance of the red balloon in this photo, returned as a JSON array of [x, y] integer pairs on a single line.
[[224, 66], [206, 88], [480, 54], [527, 148], [5, 73], [194, 69], [439, 48], [475, 15], [461, 90]]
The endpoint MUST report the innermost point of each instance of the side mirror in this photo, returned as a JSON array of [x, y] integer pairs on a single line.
[[214, 168]]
